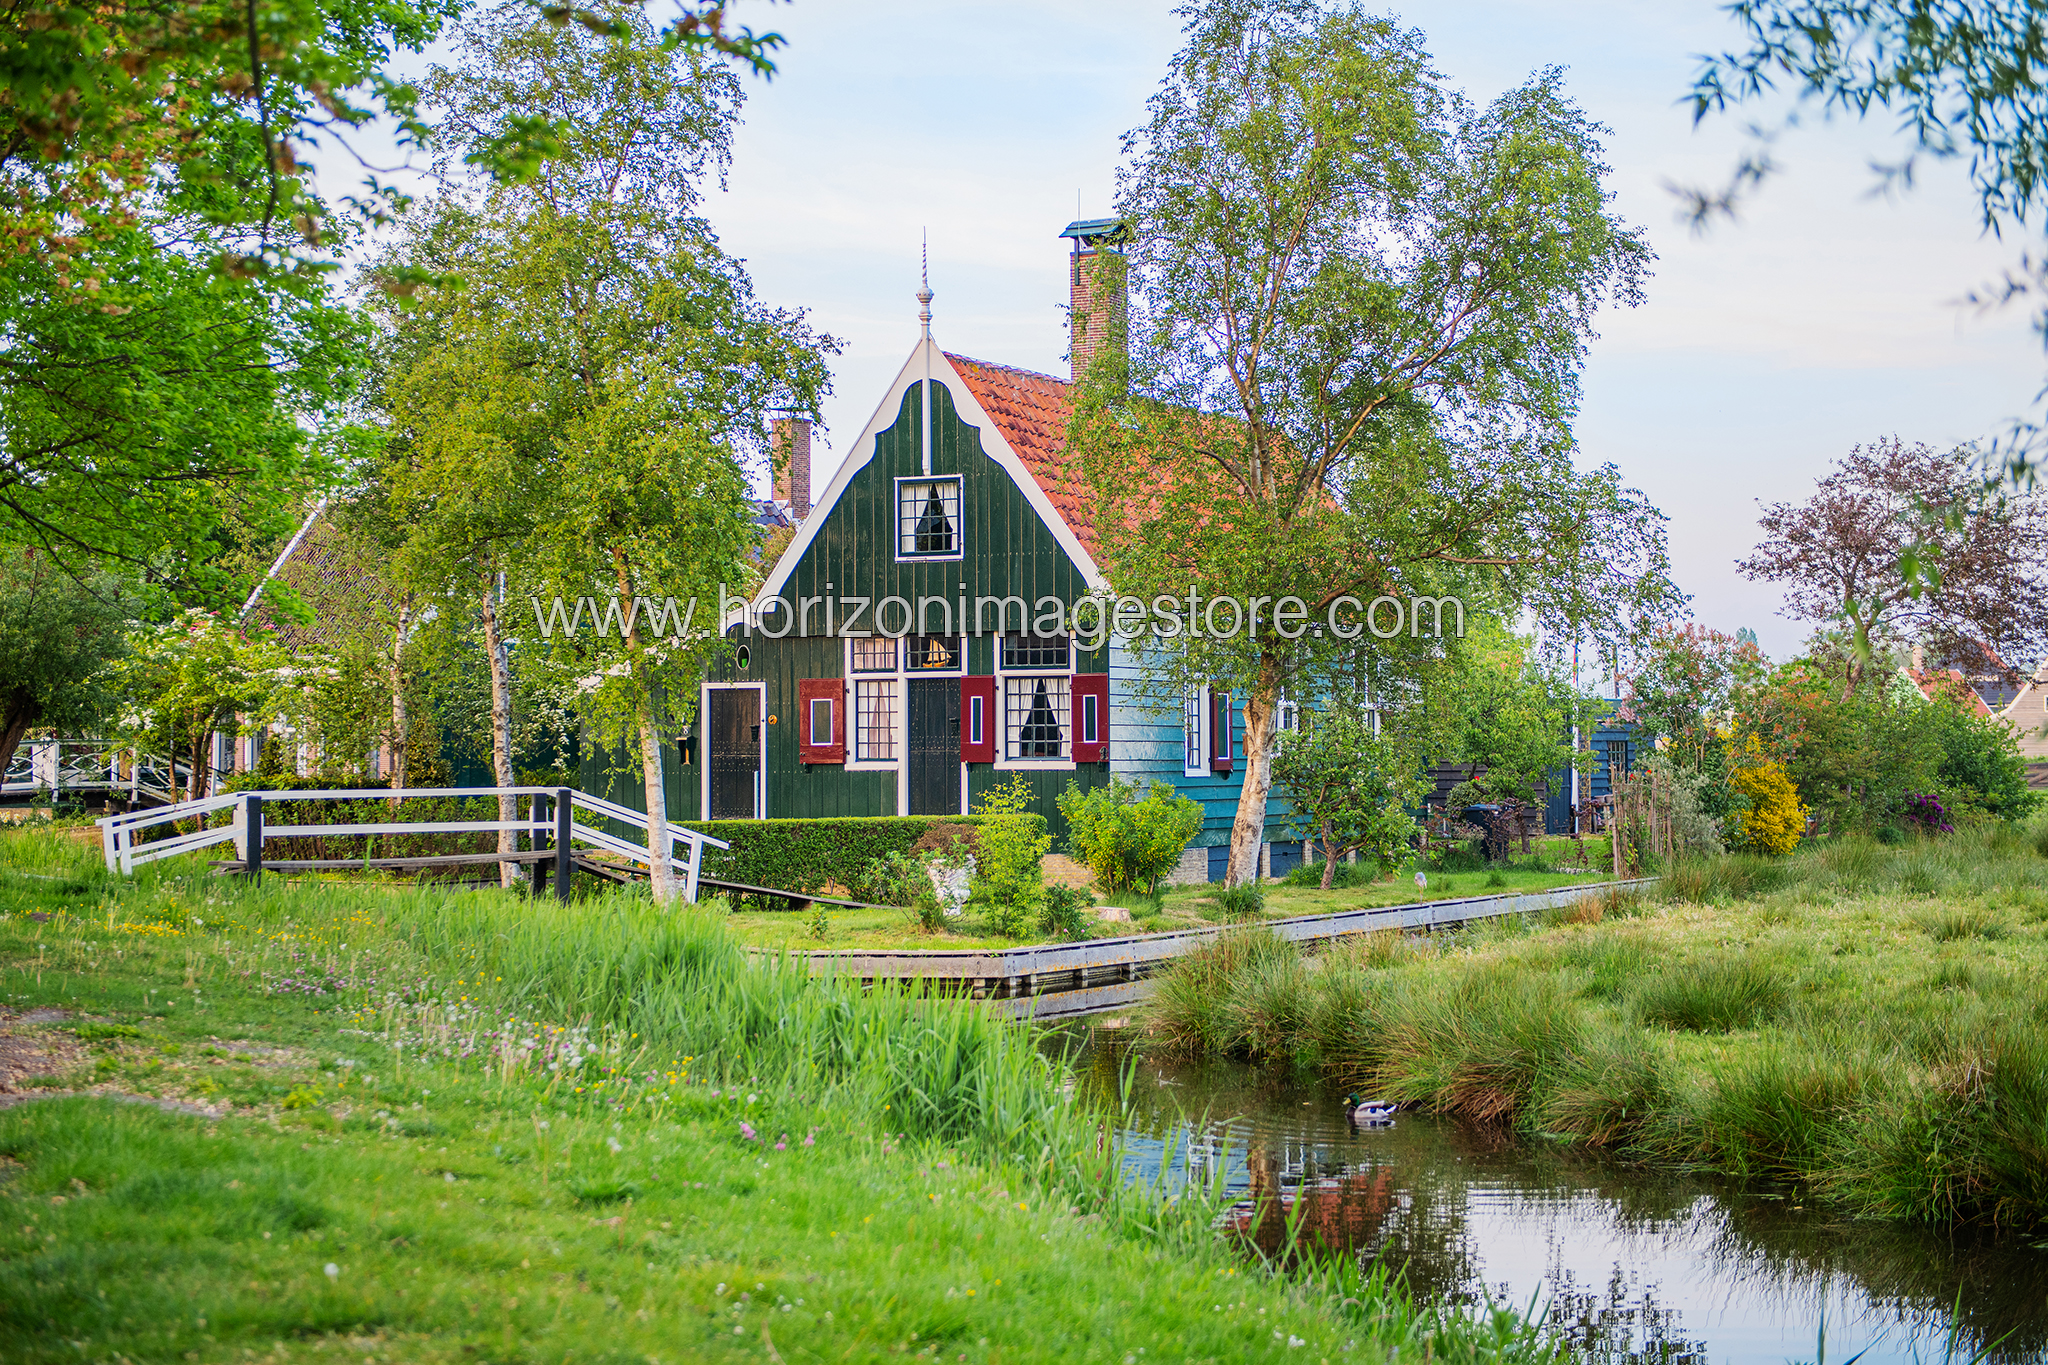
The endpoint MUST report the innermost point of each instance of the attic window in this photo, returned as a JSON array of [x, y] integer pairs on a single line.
[[927, 518]]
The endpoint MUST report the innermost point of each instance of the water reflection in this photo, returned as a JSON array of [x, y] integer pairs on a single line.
[[1632, 1265]]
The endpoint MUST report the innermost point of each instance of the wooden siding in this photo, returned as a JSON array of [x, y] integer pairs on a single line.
[[1146, 743], [1008, 550]]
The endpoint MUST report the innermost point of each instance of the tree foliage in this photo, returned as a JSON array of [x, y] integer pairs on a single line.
[[169, 420], [578, 417], [1981, 592], [57, 634], [1964, 79], [1351, 356], [1350, 787]]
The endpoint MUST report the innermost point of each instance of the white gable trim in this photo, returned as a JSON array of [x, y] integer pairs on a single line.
[[992, 442]]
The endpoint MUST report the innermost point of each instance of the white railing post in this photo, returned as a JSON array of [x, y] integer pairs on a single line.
[[696, 857]]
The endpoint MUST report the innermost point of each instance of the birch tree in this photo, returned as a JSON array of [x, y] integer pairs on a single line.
[[1358, 309], [581, 415]]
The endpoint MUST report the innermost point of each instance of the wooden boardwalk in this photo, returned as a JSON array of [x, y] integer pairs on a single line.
[[1054, 980]]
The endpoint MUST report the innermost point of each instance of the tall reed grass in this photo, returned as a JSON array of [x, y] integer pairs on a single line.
[[1826, 1019]]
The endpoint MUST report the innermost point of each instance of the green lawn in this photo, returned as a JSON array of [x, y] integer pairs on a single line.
[[391, 1124], [1181, 907]]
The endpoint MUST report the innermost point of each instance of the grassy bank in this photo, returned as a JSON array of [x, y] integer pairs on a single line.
[[402, 1125], [1871, 1022]]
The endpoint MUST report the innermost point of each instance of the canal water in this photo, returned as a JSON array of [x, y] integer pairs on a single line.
[[1625, 1264]]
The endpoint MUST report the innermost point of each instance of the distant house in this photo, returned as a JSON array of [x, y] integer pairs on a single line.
[[902, 657], [2023, 706]]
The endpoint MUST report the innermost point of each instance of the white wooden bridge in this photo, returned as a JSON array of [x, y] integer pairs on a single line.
[[52, 769], [545, 820]]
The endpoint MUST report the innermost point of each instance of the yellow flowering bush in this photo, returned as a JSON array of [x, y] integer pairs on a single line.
[[1775, 820]]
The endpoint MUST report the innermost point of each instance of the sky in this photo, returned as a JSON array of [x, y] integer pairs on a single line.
[[1825, 316]]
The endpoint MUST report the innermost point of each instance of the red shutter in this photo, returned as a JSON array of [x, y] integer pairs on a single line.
[[978, 720], [1221, 747], [1091, 718], [813, 723]]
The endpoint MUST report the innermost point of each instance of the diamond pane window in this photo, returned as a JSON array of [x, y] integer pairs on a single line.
[[927, 517], [1034, 651], [874, 721], [1036, 715]]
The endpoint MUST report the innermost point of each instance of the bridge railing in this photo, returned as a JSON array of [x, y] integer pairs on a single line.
[[54, 767], [550, 817]]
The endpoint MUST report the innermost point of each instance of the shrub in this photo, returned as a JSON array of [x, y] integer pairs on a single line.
[[1011, 845], [1775, 820], [809, 855], [1063, 913], [1925, 813], [926, 911], [892, 879], [1128, 841]]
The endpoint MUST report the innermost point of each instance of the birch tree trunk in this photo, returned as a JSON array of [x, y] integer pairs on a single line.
[[1248, 830], [501, 733], [661, 874], [401, 721]]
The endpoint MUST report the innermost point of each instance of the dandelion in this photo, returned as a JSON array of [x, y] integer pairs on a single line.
[[333, 1271]]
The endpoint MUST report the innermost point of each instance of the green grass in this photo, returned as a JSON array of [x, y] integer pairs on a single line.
[[446, 1126], [1822, 1019]]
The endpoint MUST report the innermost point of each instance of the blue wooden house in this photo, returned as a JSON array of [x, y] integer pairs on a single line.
[[907, 652]]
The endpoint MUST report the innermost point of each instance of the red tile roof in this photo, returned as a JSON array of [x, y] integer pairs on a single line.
[[1031, 410]]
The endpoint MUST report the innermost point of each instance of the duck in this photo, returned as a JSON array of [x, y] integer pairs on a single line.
[[1369, 1113]]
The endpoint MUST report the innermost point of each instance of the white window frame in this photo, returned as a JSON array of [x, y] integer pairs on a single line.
[[1194, 730], [1001, 719], [858, 756], [959, 520], [901, 675]]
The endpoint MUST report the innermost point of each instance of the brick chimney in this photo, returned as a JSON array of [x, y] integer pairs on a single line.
[[1096, 288], [791, 437]]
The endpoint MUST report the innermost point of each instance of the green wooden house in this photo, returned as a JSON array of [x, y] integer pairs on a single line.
[[908, 652]]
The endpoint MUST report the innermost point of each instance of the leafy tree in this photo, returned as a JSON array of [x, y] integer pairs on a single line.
[[1682, 689], [168, 342], [1351, 357], [217, 99], [1129, 837], [170, 413], [57, 633], [578, 417], [1350, 787], [185, 681], [1512, 721], [1984, 590], [1009, 853]]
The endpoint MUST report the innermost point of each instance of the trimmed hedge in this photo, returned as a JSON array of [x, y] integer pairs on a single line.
[[804, 855]]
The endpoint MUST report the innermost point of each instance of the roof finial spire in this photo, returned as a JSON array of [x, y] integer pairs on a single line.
[[924, 293]]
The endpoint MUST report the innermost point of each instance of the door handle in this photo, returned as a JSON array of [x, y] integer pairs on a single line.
[[756, 735]]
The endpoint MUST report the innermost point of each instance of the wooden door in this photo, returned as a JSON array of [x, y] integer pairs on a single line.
[[735, 753], [934, 748]]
